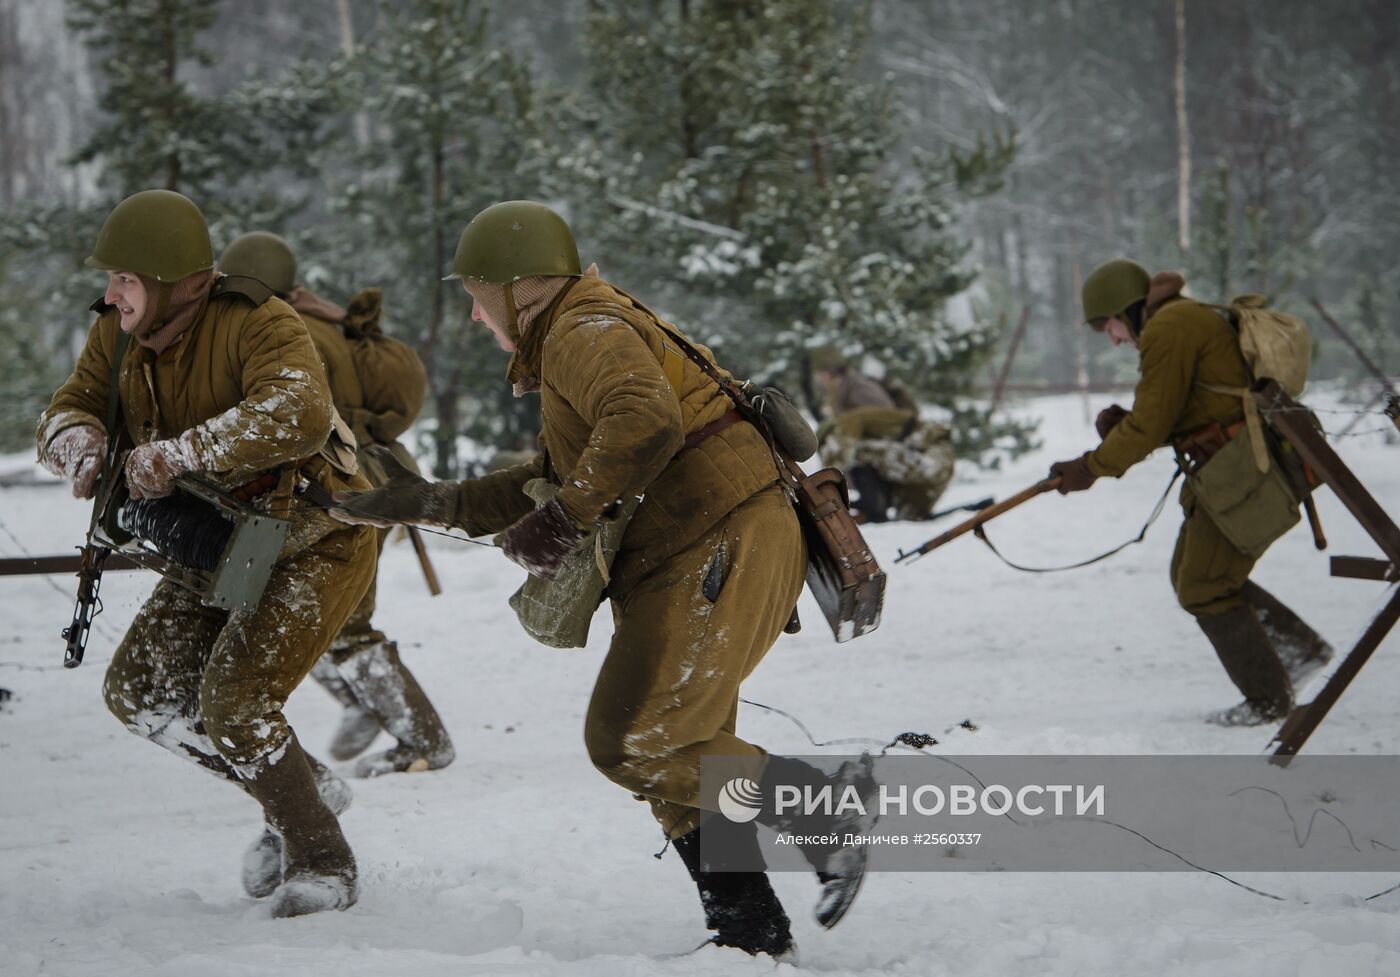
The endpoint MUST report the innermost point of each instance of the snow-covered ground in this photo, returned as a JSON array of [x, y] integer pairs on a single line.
[[117, 858]]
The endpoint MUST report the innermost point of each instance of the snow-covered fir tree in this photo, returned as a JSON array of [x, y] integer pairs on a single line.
[[452, 123], [765, 173]]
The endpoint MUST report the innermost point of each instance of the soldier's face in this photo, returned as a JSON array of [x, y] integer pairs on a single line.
[[1118, 333], [479, 314], [125, 291]]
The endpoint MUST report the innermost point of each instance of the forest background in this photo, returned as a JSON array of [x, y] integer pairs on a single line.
[[909, 180]]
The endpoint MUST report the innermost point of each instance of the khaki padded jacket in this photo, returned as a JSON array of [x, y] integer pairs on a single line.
[[617, 399], [245, 378], [1184, 344]]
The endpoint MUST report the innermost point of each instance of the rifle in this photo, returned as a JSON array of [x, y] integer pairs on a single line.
[[977, 506], [88, 605], [986, 515], [94, 555]]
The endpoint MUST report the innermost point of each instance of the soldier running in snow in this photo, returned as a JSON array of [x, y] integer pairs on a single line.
[[710, 564], [892, 458], [1189, 355], [378, 385], [226, 386]]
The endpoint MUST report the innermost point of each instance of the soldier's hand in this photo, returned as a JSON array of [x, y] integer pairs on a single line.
[[76, 454], [540, 541], [1108, 419], [406, 497], [1074, 475], [151, 469]]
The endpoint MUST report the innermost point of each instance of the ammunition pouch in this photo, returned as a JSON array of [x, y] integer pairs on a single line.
[[842, 573]]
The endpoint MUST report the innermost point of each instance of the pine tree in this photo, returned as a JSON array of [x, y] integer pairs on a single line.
[[242, 156], [451, 130], [158, 131], [766, 174]]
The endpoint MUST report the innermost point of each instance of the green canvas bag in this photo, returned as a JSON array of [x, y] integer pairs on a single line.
[[558, 612], [1251, 508]]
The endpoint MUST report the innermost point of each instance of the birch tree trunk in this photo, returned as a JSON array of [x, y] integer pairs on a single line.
[[347, 44], [1183, 136]]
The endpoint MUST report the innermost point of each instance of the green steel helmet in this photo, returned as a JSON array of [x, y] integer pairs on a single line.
[[264, 256], [157, 233], [513, 240], [1111, 288]]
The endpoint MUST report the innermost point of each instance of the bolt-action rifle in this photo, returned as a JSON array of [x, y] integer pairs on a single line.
[[984, 516]]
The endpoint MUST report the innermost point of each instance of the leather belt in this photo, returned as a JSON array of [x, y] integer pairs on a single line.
[[712, 428], [269, 480], [1202, 444]]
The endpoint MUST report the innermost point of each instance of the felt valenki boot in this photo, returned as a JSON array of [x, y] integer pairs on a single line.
[[318, 868]]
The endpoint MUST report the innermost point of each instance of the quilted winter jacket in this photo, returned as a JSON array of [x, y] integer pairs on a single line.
[[617, 400], [245, 378], [1183, 344]]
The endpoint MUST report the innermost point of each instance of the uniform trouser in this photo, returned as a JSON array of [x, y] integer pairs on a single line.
[[210, 685], [357, 632], [668, 691], [1208, 572]]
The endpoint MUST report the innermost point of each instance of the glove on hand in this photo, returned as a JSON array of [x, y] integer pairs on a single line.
[[151, 469], [406, 497], [541, 540], [1108, 419], [1074, 475], [76, 454]]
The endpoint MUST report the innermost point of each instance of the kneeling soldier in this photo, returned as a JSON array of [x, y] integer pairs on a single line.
[[227, 386], [892, 456]]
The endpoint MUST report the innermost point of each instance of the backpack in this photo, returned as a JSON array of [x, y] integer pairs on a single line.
[[1275, 344], [392, 376]]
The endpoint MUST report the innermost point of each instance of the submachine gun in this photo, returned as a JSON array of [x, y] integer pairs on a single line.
[[201, 537]]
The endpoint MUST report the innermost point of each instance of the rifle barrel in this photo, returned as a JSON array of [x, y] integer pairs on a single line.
[[18, 566], [986, 515]]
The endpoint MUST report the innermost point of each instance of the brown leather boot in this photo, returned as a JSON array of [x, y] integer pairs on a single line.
[[318, 866], [1252, 664], [388, 690]]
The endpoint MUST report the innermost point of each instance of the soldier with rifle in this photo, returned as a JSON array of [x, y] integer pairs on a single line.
[[1192, 371], [377, 384], [222, 384]]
